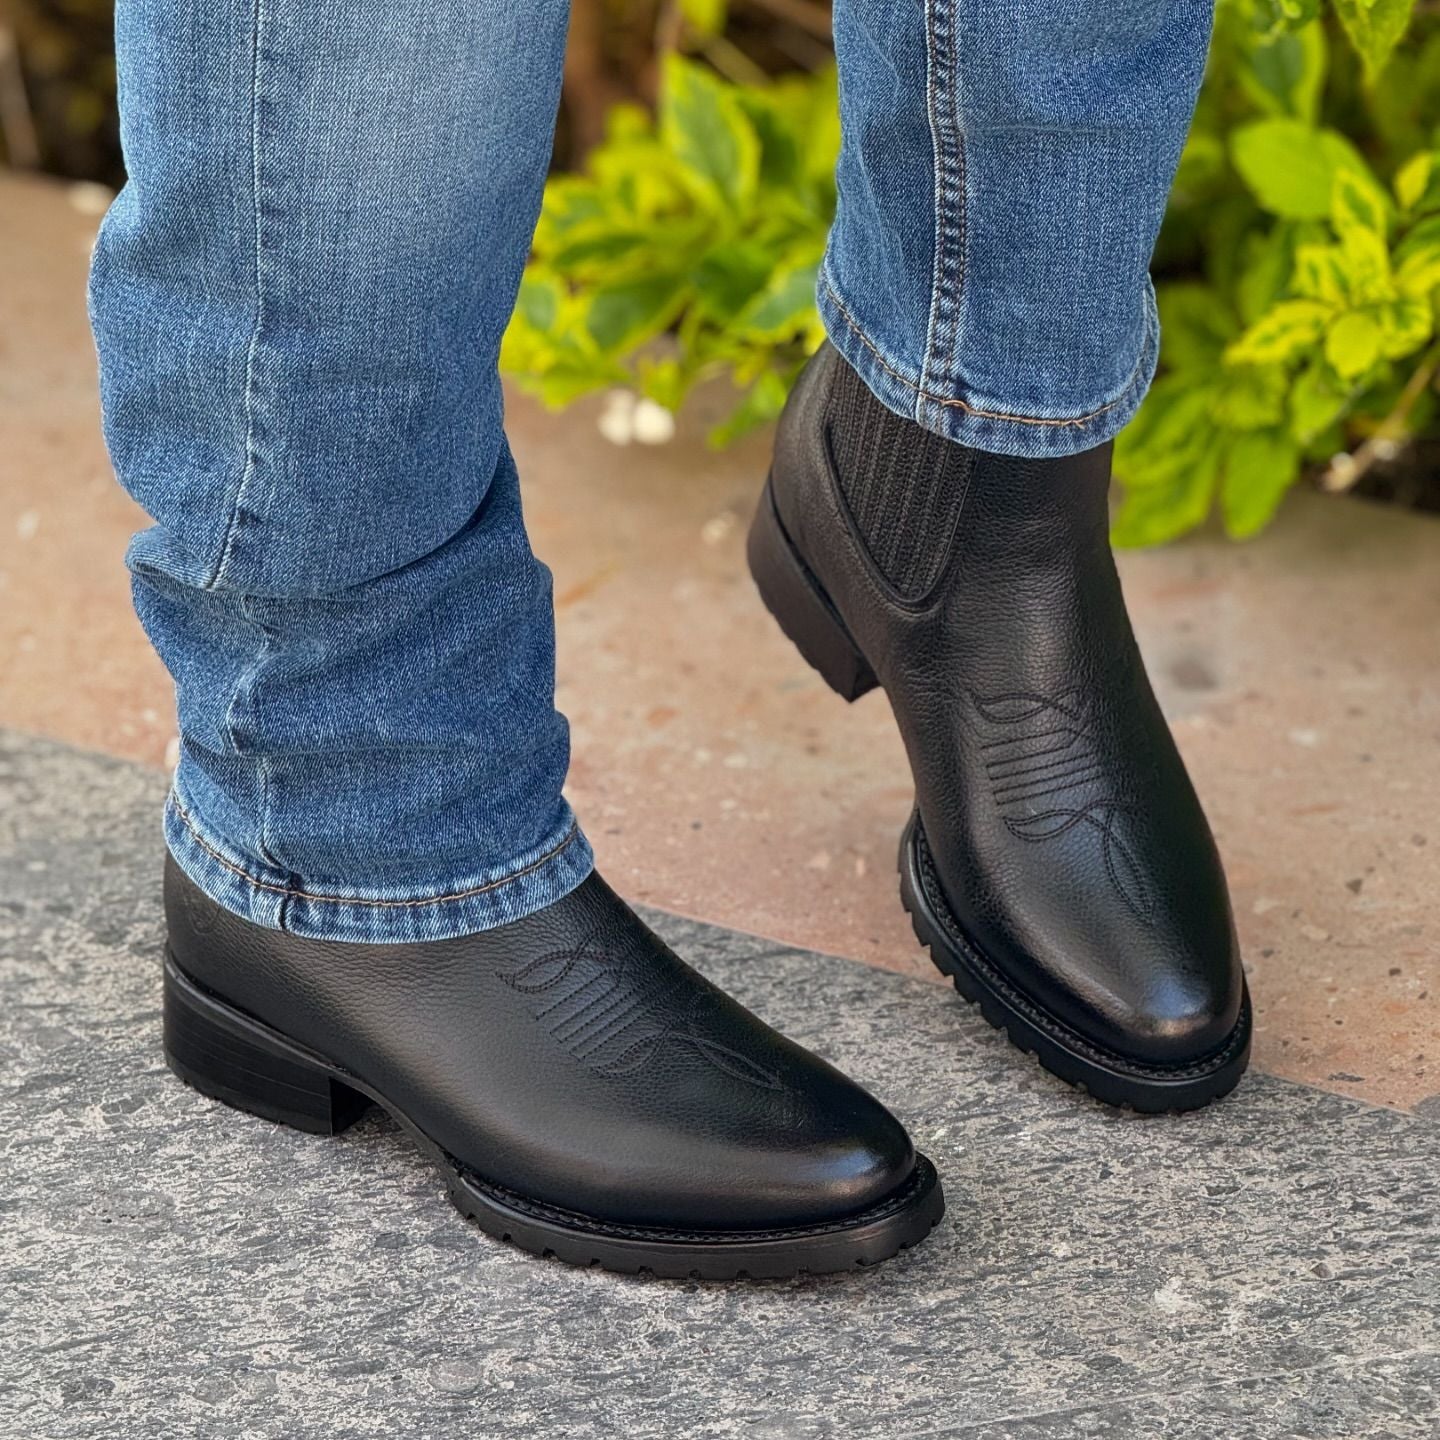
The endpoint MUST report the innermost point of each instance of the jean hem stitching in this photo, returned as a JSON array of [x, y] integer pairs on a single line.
[[955, 403], [292, 892]]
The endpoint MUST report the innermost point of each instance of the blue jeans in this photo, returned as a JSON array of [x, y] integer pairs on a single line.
[[298, 300]]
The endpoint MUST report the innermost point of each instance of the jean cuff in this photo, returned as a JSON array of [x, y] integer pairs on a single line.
[[460, 905], [979, 422]]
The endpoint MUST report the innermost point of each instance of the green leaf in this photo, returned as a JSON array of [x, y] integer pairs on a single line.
[[1422, 237], [705, 127], [564, 384], [1365, 259], [1417, 183], [1269, 260], [538, 304], [1282, 333], [1202, 162], [1405, 325], [598, 249], [1168, 436], [780, 144], [1250, 397], [625, 121], [539, 335], [705, 225], [1374, 28], [1291, 167], [1357, 205], [570, 199], [1220, 237], [1413, 179], [642, 181], [666, 382], [1321, 274], [729, 275], [1280, 14], [1352, 344], [1285, 72], [1195, 325], [1152, 515], [1259, 468], [763, 402], [1419, 268], [785, 307], [819, 128], [629, 311], [705, 16], [1316, 402]]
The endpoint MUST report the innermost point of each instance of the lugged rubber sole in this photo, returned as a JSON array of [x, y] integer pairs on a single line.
[[227, 1055], [802, 609], [1110, 1077]]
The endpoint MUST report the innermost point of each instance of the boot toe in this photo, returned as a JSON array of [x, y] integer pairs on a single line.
[[1179, 1018], [841, 1153], [849, 1173]]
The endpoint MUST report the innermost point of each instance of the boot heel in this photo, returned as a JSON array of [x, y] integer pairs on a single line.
[[230, 1057], [801, 608]]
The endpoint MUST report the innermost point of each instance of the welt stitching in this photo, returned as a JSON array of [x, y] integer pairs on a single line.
[[951, 402], [930, 884], [539, 1209], [294, 892]]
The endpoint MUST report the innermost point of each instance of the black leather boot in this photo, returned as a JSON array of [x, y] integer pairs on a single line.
[[1058, 864], [584, 1092]]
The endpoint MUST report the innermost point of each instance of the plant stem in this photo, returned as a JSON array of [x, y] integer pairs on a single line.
[[807, 14], [669, 28], [732, 62], [1347, 470]]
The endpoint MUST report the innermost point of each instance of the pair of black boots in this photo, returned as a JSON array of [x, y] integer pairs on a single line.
[[589, 1095]]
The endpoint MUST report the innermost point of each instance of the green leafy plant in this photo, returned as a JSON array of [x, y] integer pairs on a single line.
[[1304, 335], [687, 249]]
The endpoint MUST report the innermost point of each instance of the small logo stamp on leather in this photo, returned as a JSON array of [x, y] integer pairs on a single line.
[[201, 912]]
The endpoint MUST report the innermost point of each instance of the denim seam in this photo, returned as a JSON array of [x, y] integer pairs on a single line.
[[294, 892], [248, 469], [245, 686], [954, 403], [947, 144]]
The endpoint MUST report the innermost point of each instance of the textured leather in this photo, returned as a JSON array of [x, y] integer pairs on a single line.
[[571, 1057], [1068, 840]]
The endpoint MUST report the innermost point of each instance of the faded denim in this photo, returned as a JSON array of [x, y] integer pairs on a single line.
[[1003, 174], [298, 300]]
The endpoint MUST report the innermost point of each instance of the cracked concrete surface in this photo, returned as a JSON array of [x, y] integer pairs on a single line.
[[1268, 1268]]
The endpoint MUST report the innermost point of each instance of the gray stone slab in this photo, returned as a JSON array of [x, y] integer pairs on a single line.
[[1269, 1268]]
